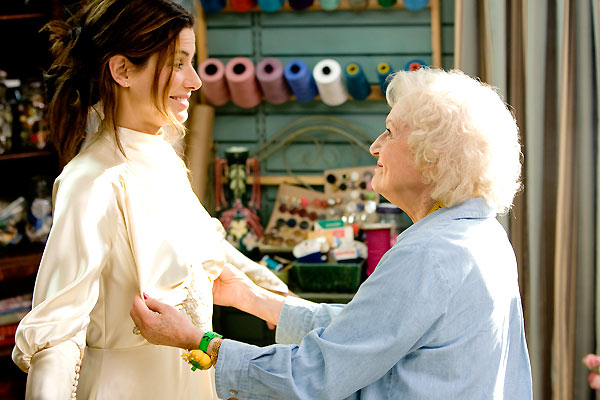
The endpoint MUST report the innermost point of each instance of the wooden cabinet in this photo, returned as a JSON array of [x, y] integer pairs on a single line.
[[24, 55]]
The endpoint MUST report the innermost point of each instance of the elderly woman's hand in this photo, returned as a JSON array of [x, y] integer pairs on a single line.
[[592, 362], [162, 324]]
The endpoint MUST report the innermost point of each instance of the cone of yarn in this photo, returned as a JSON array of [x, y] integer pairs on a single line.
[[386, 3], [330, 82], [415, 5], [329, 5], [383, 71], [300, 5], [414, 65], [214, 85], [356, 81], [300, 80], [243, 5], [212, 6], [270, 5], [269, 73], [357, 5], [241, 82]]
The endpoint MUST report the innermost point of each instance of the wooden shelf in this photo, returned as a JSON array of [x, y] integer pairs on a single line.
[[6, 17], [344, 5], [19, 266], [25, 154]]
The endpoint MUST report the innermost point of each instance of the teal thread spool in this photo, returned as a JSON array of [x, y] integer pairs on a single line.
[[329, 5], [270, 5], [356, 81], [383, 71]]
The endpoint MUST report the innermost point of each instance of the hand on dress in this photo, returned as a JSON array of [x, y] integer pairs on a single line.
[[162, 324], [231, 287], [592, 362]]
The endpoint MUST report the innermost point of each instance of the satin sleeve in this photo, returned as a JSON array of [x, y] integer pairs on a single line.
[[51, 338], [258, 273]]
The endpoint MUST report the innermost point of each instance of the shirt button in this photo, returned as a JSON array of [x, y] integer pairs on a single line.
[[233, 392]]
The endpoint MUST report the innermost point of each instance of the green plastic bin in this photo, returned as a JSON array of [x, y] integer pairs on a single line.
[[328, 277]]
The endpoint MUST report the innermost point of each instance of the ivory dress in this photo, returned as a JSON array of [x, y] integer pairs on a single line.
[[122, 225]]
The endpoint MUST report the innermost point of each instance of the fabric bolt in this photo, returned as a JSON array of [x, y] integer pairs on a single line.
[[214, 85], [440, 317], [269, 73], [122, 226], [241, 80]]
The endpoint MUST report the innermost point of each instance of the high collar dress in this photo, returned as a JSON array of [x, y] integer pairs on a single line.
[[123, 224]]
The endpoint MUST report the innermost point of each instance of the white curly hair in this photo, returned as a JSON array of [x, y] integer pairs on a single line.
[[464, 138]]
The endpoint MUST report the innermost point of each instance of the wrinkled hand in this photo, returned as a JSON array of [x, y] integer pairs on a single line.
[[230, 287], [162, 324], [592, 362]]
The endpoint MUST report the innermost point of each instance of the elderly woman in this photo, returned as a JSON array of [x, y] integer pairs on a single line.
[[441, 316]]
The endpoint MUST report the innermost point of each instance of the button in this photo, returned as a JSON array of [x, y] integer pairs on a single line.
[[233, 392], [331, 178]]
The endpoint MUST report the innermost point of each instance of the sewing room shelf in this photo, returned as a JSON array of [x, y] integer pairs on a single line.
[[344, 5]]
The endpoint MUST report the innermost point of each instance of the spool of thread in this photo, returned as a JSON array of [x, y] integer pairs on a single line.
[[357, 83], [243, 5], [270, 5], [212, 6], [300, 80], [378, 243], [329, 5], [269, 73], [383, 71], [241, 82], [214, 85], [329, 79], [300, 5], [357, 5], [386, 3], [414, 65], [415, 5]]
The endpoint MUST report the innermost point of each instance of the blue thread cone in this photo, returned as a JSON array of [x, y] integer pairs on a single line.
[[415, 5], [301, 81], [414, 65], [212, 6], [270, 5]]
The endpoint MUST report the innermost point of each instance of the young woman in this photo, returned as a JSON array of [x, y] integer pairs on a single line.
[[125, 218]]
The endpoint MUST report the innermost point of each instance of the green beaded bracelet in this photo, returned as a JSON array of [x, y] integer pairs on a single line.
[[206, 338]]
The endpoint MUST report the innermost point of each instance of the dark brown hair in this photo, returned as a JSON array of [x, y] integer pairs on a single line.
[[82, 46]]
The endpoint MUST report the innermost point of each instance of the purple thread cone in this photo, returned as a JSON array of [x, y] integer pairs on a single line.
[[269, 73]]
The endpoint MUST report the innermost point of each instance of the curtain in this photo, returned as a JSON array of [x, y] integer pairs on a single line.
[[544, 59]]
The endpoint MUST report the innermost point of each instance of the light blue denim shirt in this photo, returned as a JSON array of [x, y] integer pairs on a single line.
[[440, 318]]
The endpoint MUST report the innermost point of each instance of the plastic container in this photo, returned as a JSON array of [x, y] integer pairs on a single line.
[[390, 214], [328, 277]]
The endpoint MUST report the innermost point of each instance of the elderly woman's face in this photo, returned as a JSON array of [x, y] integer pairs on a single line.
[[396, 177]]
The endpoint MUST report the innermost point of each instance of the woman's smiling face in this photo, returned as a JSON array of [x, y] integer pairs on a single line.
[[396, 176], [184, 80]]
